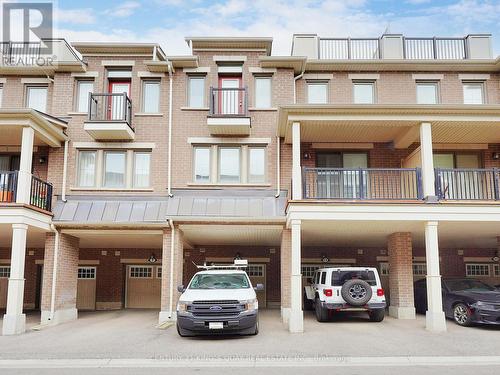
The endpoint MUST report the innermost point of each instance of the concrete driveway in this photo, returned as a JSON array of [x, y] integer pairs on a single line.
[[133, 334]]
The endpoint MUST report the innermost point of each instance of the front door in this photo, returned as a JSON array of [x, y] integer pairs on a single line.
[[230, 97], [116, 104]]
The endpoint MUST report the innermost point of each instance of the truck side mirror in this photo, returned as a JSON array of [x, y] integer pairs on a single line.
[[259, 287], [180, 288]]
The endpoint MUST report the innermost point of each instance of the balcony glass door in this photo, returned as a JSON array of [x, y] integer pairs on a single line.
[[116, 103], [230, 100], [340, 177], [466, 182]]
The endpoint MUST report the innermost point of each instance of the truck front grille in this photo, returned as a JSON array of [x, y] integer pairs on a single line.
[[227, 308]]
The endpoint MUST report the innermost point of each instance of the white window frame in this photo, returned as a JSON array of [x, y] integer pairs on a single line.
[[476, 265], [124, 153], [219, 160], [364, 83], [209, 164], [249, 151], [78, 170], [256, 270], [1, 95], [384, 268], [134, 170], [78, 93], [481, 84], [146, 82], [318, 83], [204, 99], [435, 84], [88, 271], [29, 87], [152, 273], [159, 272], [4, 272], [496, 270], [267, 78], [308, 270], [419, 269]]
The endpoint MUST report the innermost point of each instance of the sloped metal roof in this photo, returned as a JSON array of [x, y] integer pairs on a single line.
[[99, 209]]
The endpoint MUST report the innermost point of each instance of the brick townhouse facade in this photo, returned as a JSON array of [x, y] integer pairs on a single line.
[[122, 167]]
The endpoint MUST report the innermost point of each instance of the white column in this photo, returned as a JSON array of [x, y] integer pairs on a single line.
[[14, 321], [296, 169], [434, 318], [24, 178], [428, 188], [296, 320]]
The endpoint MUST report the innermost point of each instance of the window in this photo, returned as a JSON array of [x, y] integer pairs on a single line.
[[151, 97], [427, 93], [36, 98], [456, 160], [142, 161], [317, 92], [86, 272], [86, 168], [477, 269], [473, 93], [196, 93], [384, 269], [84, 89], [419, 269], [263, 92], [114, 169], [4, 272], [1, 95], [229, 164], [496, 269], [308, 270], [158, 272], [256, 270], [323, 277], [256, 165], [364, 92], [137, 272], [202, 164]]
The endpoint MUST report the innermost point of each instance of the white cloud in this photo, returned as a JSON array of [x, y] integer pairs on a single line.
[[75, 16], [125, 9]]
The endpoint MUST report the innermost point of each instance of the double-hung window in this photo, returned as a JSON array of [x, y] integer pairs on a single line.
[[263, 92], [84, 89], [202, 164], [229, 165], [36, 97], [427, 93], [151, 96], [364, 92], [317, 92], [114, 169], [196, 91], [473, 92], [87, 168], [142, 163], [256, 165]]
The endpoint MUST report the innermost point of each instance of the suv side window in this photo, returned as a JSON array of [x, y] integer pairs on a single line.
[[316, 278], [323, 277]]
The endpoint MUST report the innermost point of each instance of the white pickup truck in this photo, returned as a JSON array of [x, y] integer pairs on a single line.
[[219, 300], [340, 289]]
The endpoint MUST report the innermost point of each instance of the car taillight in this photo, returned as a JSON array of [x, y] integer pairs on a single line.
[[380, 292], [328, 292]]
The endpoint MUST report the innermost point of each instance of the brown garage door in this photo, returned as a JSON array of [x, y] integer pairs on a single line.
[[4, 285], [257, 275], [143, 287], [85, 293]]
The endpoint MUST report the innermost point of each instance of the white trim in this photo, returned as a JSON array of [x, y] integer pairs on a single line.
[[427, 77], [214, 140], [486, 265], [85, 75], [3, 80], [117, 62], [199, 70], [35, 81], [150, 75], [473, 77], [258, 70], [342, 145], [230, 69], [15, 148], [117, 145], [225, 58], [364, 76], [87, 268], [318, 76]]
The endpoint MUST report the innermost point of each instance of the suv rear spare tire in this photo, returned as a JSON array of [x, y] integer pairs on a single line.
[[356, 292]]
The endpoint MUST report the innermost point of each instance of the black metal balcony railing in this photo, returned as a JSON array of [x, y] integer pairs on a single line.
[[13, 52], [109, 107], [362, 183], [8, 186], [467, 184], [228, 102]]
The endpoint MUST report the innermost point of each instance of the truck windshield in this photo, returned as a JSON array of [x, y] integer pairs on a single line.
[[220, 281]]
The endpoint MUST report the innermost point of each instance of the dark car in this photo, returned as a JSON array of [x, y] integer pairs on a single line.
[[466, 301]]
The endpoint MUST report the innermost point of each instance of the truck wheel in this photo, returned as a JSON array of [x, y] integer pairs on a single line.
[[377, 315], [321, 312], [356, 292], [256, 329], [308, 304]]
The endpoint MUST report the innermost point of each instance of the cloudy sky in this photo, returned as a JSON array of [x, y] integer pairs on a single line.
[[169, 21]]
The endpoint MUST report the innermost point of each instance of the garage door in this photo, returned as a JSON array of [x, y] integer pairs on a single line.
[[4, 285], [257, 275], [143, 287], [85, 293]]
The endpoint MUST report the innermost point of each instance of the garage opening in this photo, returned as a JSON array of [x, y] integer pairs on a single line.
[[143, 287]]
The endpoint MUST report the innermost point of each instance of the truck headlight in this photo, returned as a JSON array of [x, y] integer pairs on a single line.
[[182, 306], [251, 304], [485, 306]]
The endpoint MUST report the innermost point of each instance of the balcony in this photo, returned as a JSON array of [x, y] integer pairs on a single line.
[[467, 184], [40, 191], [403, 184], [110, 117], [228, 111]]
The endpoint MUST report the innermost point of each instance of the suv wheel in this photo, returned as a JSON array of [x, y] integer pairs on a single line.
[[321, 312], [356, 292], [462, 315], [377, 315]]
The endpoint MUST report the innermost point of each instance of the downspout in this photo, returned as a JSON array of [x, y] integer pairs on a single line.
[[169, 167], [278, 180], [65, 170], [295, 83], [54, 273], [171, 279]]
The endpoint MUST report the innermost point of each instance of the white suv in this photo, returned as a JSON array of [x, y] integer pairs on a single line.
[[345, 289]]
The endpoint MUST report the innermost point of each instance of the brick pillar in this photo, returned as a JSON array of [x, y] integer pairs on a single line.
[[401, 276], [170, 280], [65, 281], [285, 253]]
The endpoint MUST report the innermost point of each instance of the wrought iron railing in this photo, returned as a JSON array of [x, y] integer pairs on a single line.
[[362, 183], [8, 186], [41, 194], [467, 184], [25, 53], [228, 101], [108, 107]]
